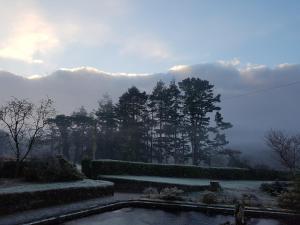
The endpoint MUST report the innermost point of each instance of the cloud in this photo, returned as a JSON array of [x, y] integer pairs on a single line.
[[34, 77], [233, 62], [36, 36], [29, 36], [88, 69], [179, 68], [252, 106], [146, 47]]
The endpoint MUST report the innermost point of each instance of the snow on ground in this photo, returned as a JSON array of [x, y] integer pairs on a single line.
[[31, 187], [234, 184]]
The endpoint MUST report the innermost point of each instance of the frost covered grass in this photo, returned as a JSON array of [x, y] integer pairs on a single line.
[[232, 184], [20, 187]]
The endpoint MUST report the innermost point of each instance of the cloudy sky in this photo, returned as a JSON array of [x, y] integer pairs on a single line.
[[77, 50], [136, 36]]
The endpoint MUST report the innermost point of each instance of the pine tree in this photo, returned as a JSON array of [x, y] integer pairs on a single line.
[[82, 132], [63, 123], [132, 111], [174, 124], [218, 141], [107, 125], [158, 99], [199, 103]]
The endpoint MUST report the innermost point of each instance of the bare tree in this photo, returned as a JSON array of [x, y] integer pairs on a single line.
[[24, 122], [286, 147]]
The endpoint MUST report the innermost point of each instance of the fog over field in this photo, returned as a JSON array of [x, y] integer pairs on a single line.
[[255, 98]]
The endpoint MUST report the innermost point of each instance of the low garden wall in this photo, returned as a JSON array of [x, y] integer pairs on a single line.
[[95, 168], [26, 197]]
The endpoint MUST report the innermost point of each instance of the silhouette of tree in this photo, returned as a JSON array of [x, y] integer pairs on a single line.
[[131, 111], [25, 123], [199, 102], [286, 147]]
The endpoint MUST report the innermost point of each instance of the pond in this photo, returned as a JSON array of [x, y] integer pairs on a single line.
[[140, 216]]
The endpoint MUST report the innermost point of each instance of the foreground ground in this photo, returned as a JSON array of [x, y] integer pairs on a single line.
[[19, 186], [140, 216], [232, 190]]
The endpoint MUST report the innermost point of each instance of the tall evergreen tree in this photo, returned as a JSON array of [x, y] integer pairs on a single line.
[[63, 123], [218, 140], [82, 131], [131, 111], [107, 128], [159, 100], [174, 123], [199, 103]]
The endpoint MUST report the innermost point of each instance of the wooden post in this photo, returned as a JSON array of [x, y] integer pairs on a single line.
[[239, 214]]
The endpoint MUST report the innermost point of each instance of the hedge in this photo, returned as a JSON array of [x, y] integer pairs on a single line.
[[50, 169], [18, 201], [95, 168], [138, 186], [8, 169]]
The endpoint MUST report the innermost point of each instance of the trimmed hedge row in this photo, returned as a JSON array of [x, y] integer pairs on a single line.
[[134, 186], [19, 201], [50, 169], [7, 169], [95, 168]]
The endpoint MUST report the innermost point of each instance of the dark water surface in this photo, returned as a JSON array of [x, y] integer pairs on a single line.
[[140, 216]]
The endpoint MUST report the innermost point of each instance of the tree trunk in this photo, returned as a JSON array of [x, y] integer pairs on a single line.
[[18, 166]]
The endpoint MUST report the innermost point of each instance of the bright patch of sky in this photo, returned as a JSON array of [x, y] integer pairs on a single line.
[[142, 37]]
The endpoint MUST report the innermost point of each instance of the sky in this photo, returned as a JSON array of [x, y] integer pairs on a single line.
[[137, 36], [74, 51]]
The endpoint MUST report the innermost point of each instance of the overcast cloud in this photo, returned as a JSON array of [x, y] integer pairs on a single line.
[[254, 47], [255, 98]]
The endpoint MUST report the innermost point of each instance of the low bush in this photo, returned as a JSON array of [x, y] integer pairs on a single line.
[[114, 167], [251, 200], [8, 168], [150, 191], [171, 194], [51, 169], [210, 198], [275, 188], [290, 199]]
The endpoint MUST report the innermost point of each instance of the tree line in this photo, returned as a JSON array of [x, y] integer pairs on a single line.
[[174, 123]]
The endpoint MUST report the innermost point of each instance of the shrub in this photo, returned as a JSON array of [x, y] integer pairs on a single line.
[[172, 194], [115, 167], [210, 198], [251, 200], [215, 186], [291, 198], [86, 165], [8, 168], [51, 169], [150, 191], [276, 188]]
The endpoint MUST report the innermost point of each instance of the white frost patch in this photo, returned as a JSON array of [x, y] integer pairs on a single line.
[[234, 184], [27, 187]]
